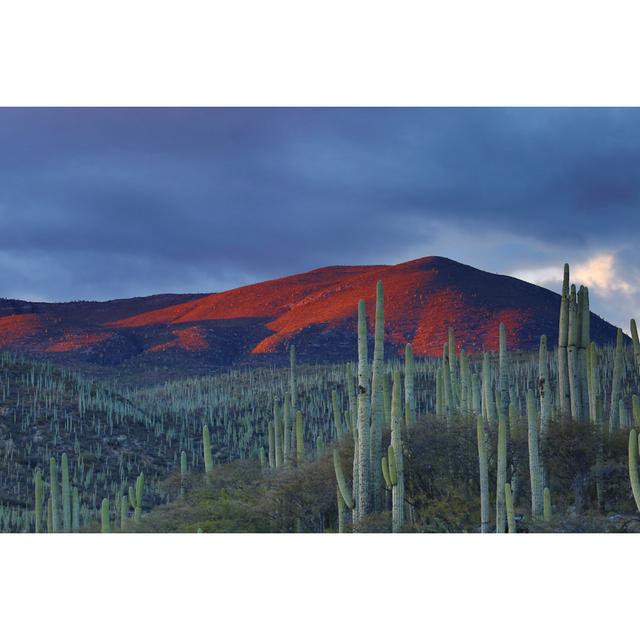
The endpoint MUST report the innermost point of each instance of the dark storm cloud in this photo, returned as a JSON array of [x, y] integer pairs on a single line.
[[98, 203]]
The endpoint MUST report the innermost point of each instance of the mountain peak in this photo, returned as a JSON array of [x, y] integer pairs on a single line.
[[315, 310]]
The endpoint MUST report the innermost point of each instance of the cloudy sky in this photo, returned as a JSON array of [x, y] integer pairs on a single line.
[[106, 203]]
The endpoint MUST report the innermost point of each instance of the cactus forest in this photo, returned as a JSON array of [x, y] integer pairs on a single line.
[[510, 441]]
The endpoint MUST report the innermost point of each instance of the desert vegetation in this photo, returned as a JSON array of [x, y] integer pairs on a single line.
[[506, 442]]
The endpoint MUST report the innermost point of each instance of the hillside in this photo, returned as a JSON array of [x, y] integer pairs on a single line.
[[316, 311]]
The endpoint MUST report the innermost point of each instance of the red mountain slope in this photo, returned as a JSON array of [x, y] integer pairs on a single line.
[[315, 310]]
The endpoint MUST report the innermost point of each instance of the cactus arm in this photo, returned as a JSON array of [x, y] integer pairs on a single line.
[[633, 466], [342, 483]]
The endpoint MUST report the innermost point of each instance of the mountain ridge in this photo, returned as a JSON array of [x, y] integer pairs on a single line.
[[315, 310]]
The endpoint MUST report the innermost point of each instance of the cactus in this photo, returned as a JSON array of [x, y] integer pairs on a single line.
[[49, 517], [75, 510], [286, 430], [484, 475], [501, 474], [293, 381], [385, 472], [563, 334], [386, 396], [277, 428], [447, 394], [137, 513], [377, 399], [583, 348], [364, 452], [54, 489], [346, 494], [635, 410], [572, 354], [547, 505], [535, 465], [395, 460], [104, 512], [39, 495], [614, 414], [342, 515], [488, 400], [503, 371], [206, 449], [319, 447], [272, 445], [124, 512], [633, 466], [544, 389], [299, 438], [439, 393], [66, 495], [409, 383], [337, 422], [508, 500], [184, 469], [636, 343]]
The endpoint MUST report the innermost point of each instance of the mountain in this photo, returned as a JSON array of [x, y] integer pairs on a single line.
[[316, 311]]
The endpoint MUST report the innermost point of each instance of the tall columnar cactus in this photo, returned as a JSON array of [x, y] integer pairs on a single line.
[[293, 379], [476, 395], [636, 344], [614, 411], [66, 494], [511, 516], [583, 347], [137, 513], [439, 393], [377, 399], [635, 410], [54, 491], [365, 496], [104, 512], [272, 445], [299, 438], [633, 466], [183, 470], [547, 505], [572, 354], [593, 382], [563, 337], [501, 474], [286, 430], [488, 399], [278, 431], [484, 475], [453, 370], [386, 394], [465, 383], [75, 510], [124, 512], [504, 371], [49, 516], [544, 388], [409, 385], [535, 465], [206, 450], [397, 491], [337, 420], [39, 496], [351, 394], [447, 394]]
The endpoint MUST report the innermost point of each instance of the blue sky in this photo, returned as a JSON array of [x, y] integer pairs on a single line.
[[105, 203]]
